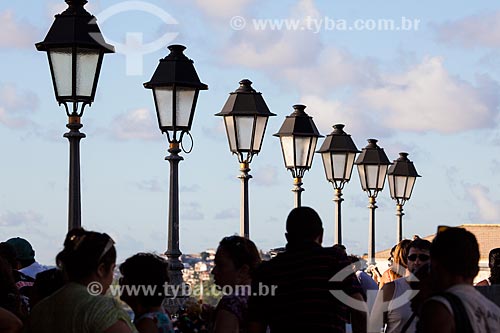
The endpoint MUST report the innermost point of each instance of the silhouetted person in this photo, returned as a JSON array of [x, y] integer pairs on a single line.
[[298, 284], [458, 305]]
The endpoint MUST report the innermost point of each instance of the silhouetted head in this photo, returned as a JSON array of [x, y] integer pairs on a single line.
[[145, 269], [304, 224], [456, 252], [84, 252]]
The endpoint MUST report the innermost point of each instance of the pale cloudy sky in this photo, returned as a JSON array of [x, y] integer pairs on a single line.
[[431, 90]]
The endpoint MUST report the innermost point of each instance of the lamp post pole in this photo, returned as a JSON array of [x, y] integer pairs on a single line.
[[245, 115], [401, 176], [75, 50], [244, 210], [338, 216], [175, 85], [74, 194], [371, 230], [372, 169], [173, 252], [297, 190], [399, 214]]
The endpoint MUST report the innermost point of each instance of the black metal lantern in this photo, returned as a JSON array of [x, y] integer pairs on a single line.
[[372, 168], [75, 48], [175, 86], [401, 177], [298, 136], [338, 152], [245, 118]]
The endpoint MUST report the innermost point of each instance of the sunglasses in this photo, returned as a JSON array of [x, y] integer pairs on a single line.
[[422, 257]]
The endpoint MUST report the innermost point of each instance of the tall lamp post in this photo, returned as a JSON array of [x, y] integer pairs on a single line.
[[245, 118], [338, 152], [175, 86], [372, 168], [401, 177], [298, 136], [75, 48]]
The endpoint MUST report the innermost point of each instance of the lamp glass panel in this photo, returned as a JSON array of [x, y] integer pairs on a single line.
[[244, 131], [372, 176], [61, 60], [312, 148], [163, 98], [381, 177], [390, 179], [231, 134], [362, 176], [302, 144], [327, 163], [86, 68], [339, 160], [287, 147], [260, 127], [409, 187], [400, 186], [184, 106], [349, 165]]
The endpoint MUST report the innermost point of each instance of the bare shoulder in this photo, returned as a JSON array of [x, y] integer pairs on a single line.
[[119, 327], [387, 290]]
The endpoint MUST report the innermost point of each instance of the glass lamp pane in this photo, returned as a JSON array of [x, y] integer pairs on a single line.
[[260, 127], [400, 186], [339, 160], [287, 147], [349, 165], [61, 61], [409, 187], [312, 147], [390, 179], [163, 98], [301, 151], [362, 176], [231, 135], [244, 131], [327, 164], [381, 177], [86, 68], [184, 106], [372, 176]]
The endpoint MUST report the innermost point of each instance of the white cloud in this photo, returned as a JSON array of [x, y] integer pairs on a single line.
[[138, 124], [428, 98], [14, 219], [276, 48], [223, 8], [16, 33], [487, 209], [481, 30]]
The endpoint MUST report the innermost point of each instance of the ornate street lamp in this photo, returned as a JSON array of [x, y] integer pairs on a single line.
[[401, 177], [245, 118], [75, 48], [338, 152], [298, 136], [175, 86], [372, 168]]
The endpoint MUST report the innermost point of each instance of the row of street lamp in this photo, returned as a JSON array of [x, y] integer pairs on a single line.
[[75, 48]]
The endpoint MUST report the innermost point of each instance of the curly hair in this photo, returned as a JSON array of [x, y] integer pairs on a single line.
[[494, 263]]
